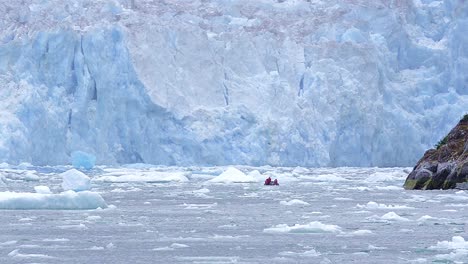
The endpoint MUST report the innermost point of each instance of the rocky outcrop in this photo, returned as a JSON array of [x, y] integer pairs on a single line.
[[447, 165]]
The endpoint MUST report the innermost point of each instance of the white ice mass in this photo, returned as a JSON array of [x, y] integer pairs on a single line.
[[68, 200], [75, 180], [311, 83], [233, 175]]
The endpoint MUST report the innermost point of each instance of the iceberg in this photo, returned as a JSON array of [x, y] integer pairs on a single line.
[[75, 180], [83, 160], [233, 175]]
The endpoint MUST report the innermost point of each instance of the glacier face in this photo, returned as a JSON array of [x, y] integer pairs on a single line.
[[311, 83]]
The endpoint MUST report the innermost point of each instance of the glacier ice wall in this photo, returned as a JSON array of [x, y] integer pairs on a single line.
[[311, 83]]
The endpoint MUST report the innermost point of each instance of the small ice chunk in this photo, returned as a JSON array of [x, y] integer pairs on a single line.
[[96, 248], [42, 189], [203, 190], [93, 218], [75, 180], [386, 176], [372, 247], [233, 175], [425, 218], [294, 202], [393, 216], [361, 232], [374, 205], [312, 227], [81, 159], [177, 245], [457, 242], [16, 254], [308, 253]]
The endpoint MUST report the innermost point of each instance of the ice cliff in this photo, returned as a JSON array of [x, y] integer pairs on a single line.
[[292, 82]]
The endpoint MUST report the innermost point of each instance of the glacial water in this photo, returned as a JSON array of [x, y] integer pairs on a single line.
[[337, 215]]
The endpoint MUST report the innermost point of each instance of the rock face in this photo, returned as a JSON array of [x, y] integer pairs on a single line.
[[446, 166]]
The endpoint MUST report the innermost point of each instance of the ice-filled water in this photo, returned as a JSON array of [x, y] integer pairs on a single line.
[[315, 216]]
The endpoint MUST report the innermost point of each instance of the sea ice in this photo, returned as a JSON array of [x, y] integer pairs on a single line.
[[75, 180], [68, 200], [294, 202], [393, 216], [147, 176], [459, 247], [16, 254], [374, 205], [386, 176], [312, 227], [457, 242]]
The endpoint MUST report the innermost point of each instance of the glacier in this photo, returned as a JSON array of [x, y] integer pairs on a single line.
[[283, 83]]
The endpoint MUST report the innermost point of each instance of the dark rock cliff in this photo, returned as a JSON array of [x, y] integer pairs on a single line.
[[444, 167]]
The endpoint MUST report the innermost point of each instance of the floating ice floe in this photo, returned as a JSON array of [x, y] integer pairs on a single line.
[[233, 175], [75, 180], [457, 242], [148, 176], [42, 189], [389, 188], [81, 159], [386, 176], [68, 200], [458, 196], [173, 246], [374, 205], [425, 218], [459, 247], [312, 227], [394, 217], [16, 254], [21, 175], [307, 253], [294, 202], [361, 232], [324, 178]]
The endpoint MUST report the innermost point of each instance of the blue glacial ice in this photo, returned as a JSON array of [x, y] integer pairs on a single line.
[[81, 159], [311, 83]]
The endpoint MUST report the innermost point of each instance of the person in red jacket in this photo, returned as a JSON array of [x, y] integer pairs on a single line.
[[275, 182], [268, 181]]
